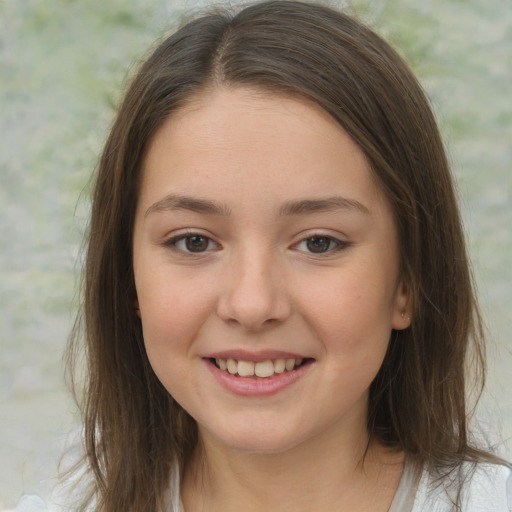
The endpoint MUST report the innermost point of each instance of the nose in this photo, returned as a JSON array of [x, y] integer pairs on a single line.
[[254, 293]]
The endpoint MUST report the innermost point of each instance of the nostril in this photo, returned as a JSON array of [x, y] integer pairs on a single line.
[[253, 301]]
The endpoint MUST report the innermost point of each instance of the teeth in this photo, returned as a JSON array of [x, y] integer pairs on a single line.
[[232, 366], [262, 369], [279, 365], [246, 368]]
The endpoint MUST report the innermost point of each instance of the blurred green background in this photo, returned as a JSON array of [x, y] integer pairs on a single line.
[[63, 66]]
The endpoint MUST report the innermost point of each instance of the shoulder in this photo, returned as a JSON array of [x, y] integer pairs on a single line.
[[483, 488], [490, 488], [65, 496], [30, 503], [34, 503]]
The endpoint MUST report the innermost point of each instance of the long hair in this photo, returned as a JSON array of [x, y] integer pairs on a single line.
[[136, 435]]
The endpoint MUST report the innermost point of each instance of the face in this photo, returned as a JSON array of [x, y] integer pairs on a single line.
[[266, 269]]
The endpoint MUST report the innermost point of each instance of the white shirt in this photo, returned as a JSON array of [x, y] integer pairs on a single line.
[[489, 489]]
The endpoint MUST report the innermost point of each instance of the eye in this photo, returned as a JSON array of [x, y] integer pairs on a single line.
[[320, 244], [192, 243]]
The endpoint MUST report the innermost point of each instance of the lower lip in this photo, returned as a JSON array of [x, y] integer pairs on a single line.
[[250, 386]]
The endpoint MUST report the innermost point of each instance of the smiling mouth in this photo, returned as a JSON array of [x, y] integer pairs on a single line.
[[261, 369]]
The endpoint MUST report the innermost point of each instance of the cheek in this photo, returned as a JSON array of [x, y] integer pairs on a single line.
[[172, 310], [170, 318], [352, 316], [349, 303], [170, 324], [169, 297]]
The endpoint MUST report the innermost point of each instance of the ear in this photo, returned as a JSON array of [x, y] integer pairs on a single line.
[[403, 306], [136, 307]]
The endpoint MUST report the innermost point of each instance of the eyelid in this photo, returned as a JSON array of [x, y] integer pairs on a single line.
[[171, 241], [174, 238], [340, 244]]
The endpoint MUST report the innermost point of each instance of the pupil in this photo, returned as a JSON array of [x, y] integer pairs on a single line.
[[319, 244], [196, 243]]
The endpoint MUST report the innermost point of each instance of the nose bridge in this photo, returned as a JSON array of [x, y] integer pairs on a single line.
[[254, 294]]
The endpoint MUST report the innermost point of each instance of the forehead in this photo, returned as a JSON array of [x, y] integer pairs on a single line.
[[236, 143], [239, 115]]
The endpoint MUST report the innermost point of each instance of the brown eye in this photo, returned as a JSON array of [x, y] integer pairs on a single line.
[[196, 243], [319, 244]]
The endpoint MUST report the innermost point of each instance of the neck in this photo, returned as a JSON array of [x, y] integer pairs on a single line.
[[319, 474]]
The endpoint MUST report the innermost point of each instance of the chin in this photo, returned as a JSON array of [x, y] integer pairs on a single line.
[[255, 437], [264, 445]]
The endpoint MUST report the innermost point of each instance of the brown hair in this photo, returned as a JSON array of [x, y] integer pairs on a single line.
[[133, 428]]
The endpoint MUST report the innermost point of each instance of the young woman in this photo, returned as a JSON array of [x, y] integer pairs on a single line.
[[278, 312]]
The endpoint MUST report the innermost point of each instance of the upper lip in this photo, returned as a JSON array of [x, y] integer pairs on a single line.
[[246, 355]]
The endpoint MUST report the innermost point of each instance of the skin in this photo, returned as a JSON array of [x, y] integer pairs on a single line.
[[257, 286]]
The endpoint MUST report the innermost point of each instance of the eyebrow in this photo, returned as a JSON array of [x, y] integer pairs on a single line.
[[328, 204], [178, 202], [295, 207]]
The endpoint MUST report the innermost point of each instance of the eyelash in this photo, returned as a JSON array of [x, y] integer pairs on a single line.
[[173, 242], [339, 245]]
